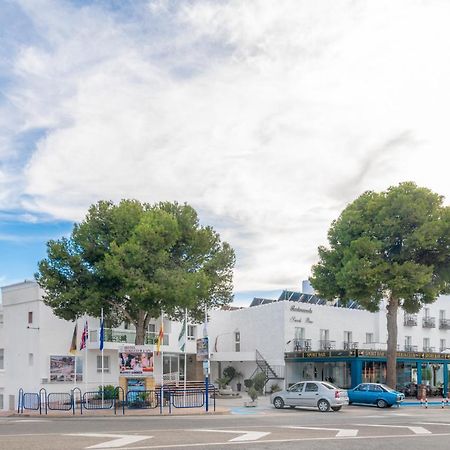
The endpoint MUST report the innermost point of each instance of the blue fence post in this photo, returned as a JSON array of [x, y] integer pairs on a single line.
[[206, 392], [445, 391]]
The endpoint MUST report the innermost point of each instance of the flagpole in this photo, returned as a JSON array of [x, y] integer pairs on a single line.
[[185, 353], [85, 358], [101, 343], [162, 357], [205, 335]]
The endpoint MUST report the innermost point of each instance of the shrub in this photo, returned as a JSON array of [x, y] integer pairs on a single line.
[[259, 381], [253, 393], [248, 383], [109, 392], [222, 382], [229, 372]]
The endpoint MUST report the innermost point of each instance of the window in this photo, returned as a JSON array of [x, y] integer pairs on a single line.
[[105, 364], [30, 317], [442, 314], [369, 338], [191, 332], [1, 402], [426, 312], [362, 387], [2, 358], [443, 345], [299, 333], [311, 387], [347, 336], [297, 387], [237, 341], [1, 319], [408, 341], [30, 359], [324, 335], [375, 388], [426, 343], [151, 328]]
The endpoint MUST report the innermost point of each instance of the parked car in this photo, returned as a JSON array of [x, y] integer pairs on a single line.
[[313, 394], [375, 394]]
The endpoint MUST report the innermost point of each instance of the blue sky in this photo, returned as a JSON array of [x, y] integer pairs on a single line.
[[268, 117]]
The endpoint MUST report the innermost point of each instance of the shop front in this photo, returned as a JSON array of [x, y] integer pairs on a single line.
[[347, 369]]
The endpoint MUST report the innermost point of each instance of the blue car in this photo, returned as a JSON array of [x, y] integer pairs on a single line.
[[375, 394]]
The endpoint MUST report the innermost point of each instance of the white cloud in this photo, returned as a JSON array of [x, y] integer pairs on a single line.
[[266, 116]]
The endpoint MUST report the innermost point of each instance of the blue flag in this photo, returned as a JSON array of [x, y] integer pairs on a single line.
[[102, 334]]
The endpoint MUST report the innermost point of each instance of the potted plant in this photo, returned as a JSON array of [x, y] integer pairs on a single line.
[[253, 394], [239, 384], [224, 389]]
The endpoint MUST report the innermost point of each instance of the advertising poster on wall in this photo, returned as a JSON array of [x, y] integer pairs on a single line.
[[62, 369], [135, 360]]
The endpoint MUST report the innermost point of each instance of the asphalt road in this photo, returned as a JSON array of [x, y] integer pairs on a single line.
[[351, 428]]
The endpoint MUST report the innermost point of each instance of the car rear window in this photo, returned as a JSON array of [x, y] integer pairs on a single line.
[[328, 386]]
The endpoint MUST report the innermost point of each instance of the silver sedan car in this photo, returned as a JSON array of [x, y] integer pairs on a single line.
[[312, 394]]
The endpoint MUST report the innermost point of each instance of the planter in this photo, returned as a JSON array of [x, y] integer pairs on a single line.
[[239, 387], [251, 404]]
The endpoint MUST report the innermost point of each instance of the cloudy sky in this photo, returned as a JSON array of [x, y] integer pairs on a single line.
[[268, 116]]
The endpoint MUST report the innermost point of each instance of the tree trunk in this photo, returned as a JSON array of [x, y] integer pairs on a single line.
[[140, 325], [391, 369]]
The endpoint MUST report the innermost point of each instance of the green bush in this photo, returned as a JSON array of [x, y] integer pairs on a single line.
[[259, 381], [253, 393], [248, 383], [222, 382], [109, 392], [229, 372]]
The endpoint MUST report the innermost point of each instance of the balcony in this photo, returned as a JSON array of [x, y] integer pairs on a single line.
[[350, 345], [429, 349], [410, 348], [125, 336], [327, 345], [444, 324], [301, 345], [410, 320], [429, 322]]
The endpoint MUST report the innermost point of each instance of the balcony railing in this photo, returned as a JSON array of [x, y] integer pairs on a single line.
[[444, 324], [410, 348], [429, 322], [125, 336], [327, 345], [410, 320], [350, 345], [428, 349], [302, 344]]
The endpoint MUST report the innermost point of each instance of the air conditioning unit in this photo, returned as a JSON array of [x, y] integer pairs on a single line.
[[44, 380]]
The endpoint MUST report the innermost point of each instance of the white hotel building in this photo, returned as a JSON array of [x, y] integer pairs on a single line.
[[298, 336]]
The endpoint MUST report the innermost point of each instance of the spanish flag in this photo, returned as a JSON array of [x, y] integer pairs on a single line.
[[73, 344], [159, 341]]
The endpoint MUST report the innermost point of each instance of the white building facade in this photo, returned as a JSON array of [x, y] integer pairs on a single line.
[[295, 337]]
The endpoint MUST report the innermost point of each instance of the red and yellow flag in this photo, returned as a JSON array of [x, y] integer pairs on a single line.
[[159, 341]]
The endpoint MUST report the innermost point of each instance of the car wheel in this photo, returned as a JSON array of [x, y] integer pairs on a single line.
[[336, 408], [382, 403], [323, 405], [278, 402]]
